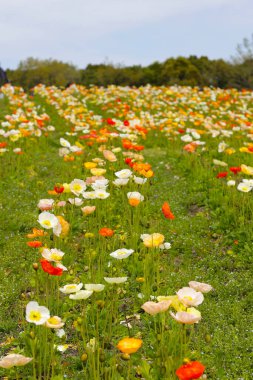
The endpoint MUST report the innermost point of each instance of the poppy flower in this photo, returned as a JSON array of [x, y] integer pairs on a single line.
[[191, 147], [110, 121], [129, 345], [153, 308], [34, 244], [50, 269], [222, 175], [190, 371], [107, 232], [110, 156], [12, 360], [128, 161], [59, 189], [153, 240], [180, 130], [134, 198], [235, 169], [36, 233], [166, 211]]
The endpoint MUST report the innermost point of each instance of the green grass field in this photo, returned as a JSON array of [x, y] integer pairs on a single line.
[[211, 242]]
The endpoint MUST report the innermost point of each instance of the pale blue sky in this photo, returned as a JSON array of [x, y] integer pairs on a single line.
[[121, 31]]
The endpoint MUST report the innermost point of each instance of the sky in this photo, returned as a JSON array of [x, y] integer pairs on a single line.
[[125, 32]]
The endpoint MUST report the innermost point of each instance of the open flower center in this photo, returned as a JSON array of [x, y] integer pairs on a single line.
[[47, 223], [56, 257], [35, 315]]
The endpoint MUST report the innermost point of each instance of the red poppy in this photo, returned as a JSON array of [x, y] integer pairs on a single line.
[[180, 130], [126, 123], [107, 232], [59, 189], [129, 161], [3, 144], [190, 371], [166, 211], [110, 121], [34, 243], [235, 169], [50, 269], [222, 175]]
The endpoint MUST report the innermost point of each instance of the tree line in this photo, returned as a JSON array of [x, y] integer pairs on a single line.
[[191, 71]]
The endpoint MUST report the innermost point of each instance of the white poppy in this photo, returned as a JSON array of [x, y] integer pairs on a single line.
[[36, 314], [48, 220], [71, 288], [189, 297], [122, 253]]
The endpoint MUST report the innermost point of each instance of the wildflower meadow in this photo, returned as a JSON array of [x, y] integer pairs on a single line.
[[126, 241]]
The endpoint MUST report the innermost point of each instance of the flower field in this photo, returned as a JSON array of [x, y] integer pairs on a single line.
[[126, 240]]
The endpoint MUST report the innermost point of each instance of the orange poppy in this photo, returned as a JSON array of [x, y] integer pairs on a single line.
[[167, 211], [34, 244], [107, 232], [129, 345], [36, 233], [190, 371]]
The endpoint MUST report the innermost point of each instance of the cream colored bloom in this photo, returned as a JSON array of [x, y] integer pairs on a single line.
[[153, 240], [200, 286], [81, 295], [101, 194], [99, 185], [60, 333], [153, 308], [115, 280], [71, 288], [222, 146], [89, 195], [219, 163], [76, 201], [97, 171], [123, 174], [231, 183], [122, 253], [62, 347], [121, 181], [13, 360], [65, 143], [53, 254], [247, 169], [77, 186], [189, 297], [244, 187], [45, 204], [139, 180], [188, 317], [165, 245], [36, 314], [109, 156], [48, 220], [186, 138], [94, 287], [87, 210], [54, 323]]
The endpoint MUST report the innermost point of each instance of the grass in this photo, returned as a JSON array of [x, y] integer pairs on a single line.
[[210, 217]]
